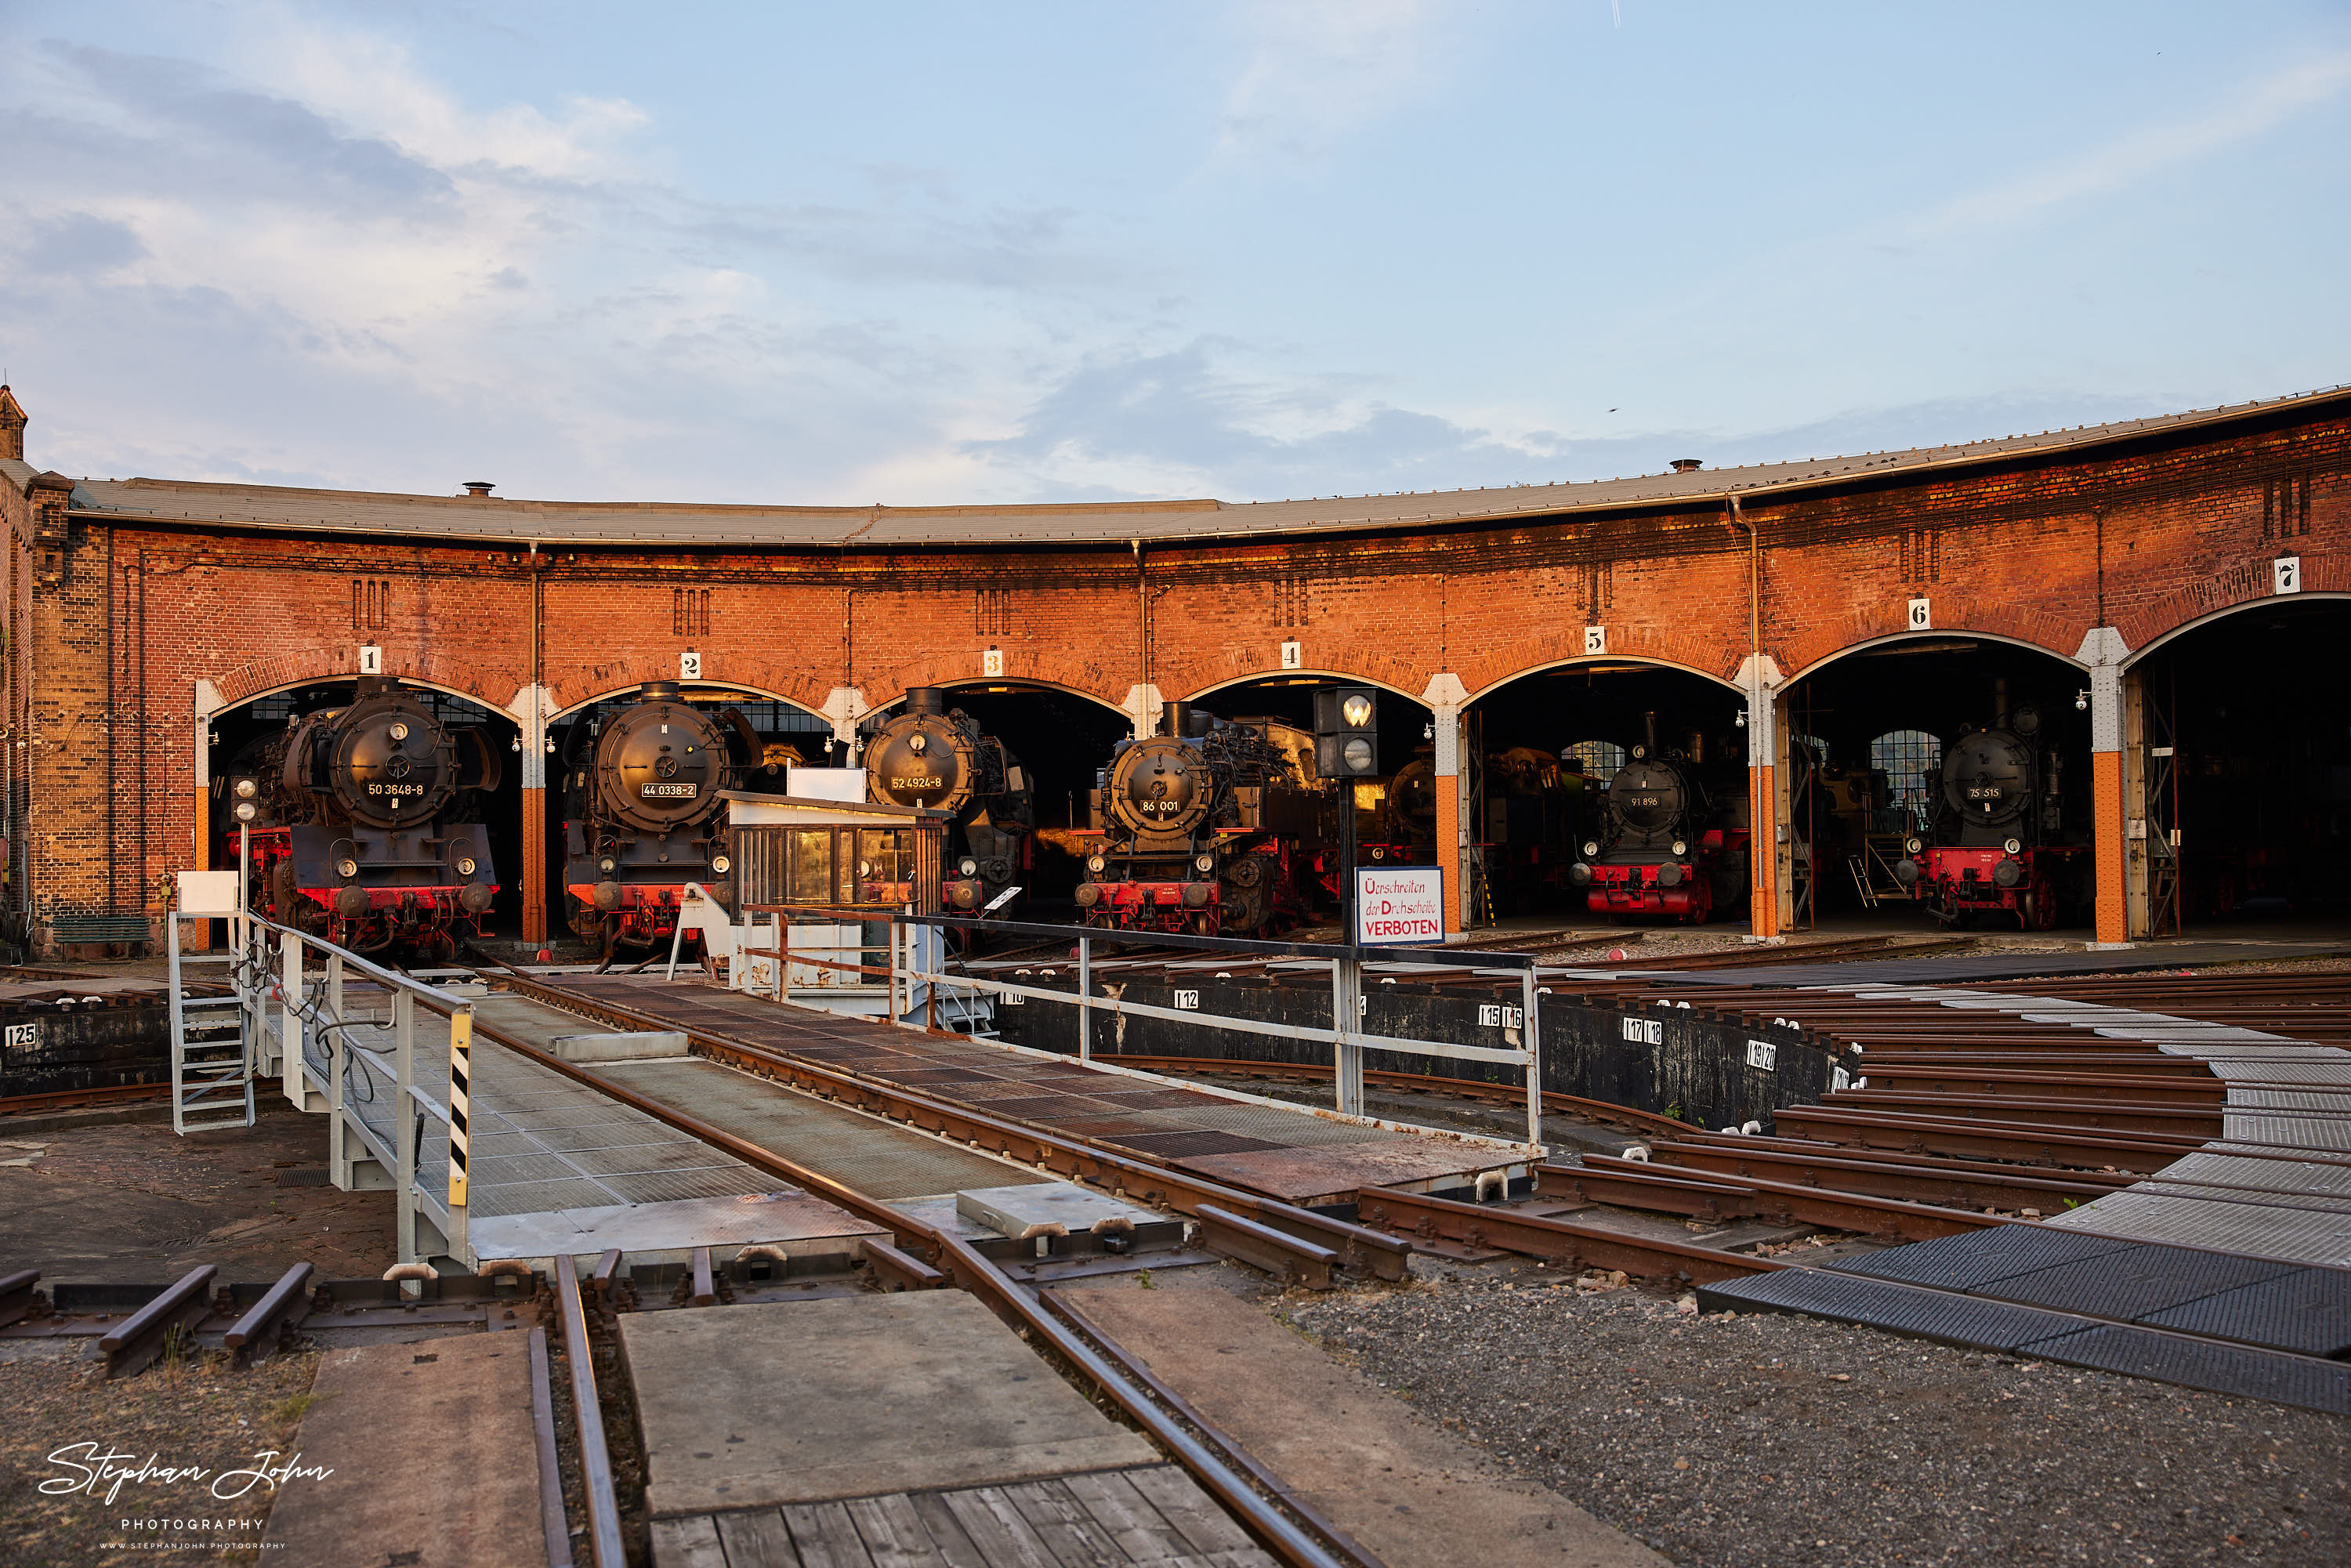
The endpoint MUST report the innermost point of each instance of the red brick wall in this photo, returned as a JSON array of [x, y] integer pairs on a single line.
[[2147, 536]]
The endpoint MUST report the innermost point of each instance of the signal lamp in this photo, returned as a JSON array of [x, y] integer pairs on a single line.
[[1346, 727], [247, 788], [244, 811], [1356, 709], [722, 865]]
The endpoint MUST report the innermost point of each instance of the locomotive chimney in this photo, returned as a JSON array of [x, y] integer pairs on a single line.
[[1199, 723], [658, 692], [926, 699], [1650, 730], [2000, 701], [1176, 718]]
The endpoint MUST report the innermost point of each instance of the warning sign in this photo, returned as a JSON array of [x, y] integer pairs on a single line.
[[1399, 904]]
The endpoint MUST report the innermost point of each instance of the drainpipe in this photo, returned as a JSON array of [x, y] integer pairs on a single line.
[[1762, 758]]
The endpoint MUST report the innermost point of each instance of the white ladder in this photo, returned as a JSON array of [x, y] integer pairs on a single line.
[[212, 1044]]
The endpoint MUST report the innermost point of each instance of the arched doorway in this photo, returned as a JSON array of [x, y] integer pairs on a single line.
[[2239, 758], [1865, 792]]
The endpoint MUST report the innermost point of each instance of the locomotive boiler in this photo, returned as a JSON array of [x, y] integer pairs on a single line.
[[1996, 837], [1664, 847], [643, 809], [928, 756], [364, 825], [1207, 828]]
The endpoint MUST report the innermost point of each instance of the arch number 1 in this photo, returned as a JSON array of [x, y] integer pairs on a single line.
[[1922, 618], [2285, 573], [370, 661], [1595, 639], [689, 666]]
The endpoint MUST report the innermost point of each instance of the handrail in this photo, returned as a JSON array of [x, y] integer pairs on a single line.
[[437, 1000], [1429, 957]]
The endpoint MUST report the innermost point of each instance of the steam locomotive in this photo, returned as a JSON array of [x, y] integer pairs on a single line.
[[363, 824], [1208, 827], [1995, 837], [643, 813], [927, 756], [1665, 848]]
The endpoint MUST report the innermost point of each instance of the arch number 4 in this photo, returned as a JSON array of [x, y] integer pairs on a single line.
[[689, 666], [1922, 616], [2285, 573], [1293, 656], [1595, 639], [370, 661]]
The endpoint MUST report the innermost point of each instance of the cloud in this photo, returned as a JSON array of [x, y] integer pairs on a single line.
[[80, 243], [2130, 158], [1313, 71]]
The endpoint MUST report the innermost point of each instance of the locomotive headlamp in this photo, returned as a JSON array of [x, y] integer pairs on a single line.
[[721, 865], [1356, 710], [1591, 847], [969, 867], [918, 743], [2012, 845], [347, 866], [1912, 846], [1205, 862], [2008, 873], [465, 866], [1639, 752], [605, 865], [247, 788], [244, 811], [1579, 873], [1682, 847], [1096, 864], [1670, 874], [400, 732]]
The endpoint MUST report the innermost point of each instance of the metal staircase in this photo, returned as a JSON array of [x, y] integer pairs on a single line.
[[215, 1039]]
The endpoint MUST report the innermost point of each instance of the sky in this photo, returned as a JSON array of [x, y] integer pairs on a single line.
[[916, 253]]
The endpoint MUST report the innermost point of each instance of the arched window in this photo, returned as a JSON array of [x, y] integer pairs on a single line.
[[1596, 759], [1910, 759]]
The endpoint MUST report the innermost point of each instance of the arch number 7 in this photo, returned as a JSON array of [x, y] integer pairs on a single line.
[[2285, 574]]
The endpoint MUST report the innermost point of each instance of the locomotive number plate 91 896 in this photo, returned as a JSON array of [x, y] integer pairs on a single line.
[[667, 791]]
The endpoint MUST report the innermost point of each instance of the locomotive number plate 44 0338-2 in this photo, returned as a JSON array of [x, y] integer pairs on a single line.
[[667, 791]]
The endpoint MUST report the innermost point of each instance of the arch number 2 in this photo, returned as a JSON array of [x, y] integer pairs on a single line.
[[689, 666], [1922, 617], [370, 661], [2285, 573], [1595, 639]]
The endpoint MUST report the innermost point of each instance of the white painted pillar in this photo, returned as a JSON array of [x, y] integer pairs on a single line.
[[1143, 704], [1447, 698]]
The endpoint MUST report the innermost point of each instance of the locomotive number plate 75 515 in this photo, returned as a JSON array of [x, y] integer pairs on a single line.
[[667, 791]]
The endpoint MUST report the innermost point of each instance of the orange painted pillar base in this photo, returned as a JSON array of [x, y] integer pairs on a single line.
[[534, 864], [2107, 834], [1763, 852], [1448, 848]]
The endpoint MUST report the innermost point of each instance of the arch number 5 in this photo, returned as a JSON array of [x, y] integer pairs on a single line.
[[1922, 618], [1595, 639], [2285, 573]]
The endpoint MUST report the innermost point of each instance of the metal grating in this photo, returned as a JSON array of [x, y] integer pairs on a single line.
[[2308, 1311], [1968, 1321], [2203, 1364], [2294, 1235], [2134, 1282], [1189, 1145], [1978, 1258]]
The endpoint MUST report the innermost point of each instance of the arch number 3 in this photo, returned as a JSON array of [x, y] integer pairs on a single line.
[[2285, 572], [1922, 618], [1595, 639], [370, 661], [689, 666]]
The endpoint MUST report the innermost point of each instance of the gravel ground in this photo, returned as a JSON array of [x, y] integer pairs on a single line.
[[180, 1413], [1760, 1439]]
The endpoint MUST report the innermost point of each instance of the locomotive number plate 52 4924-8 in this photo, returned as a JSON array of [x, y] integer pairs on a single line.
[[667, 791]]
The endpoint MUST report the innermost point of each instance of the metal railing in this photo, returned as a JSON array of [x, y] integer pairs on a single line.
[[331, 1055], [915, 972]]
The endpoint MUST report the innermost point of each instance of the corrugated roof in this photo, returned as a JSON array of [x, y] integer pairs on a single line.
[[515, 522]]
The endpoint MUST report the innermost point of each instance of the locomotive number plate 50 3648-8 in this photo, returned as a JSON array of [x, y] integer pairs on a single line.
[[374, 789], [667, 791]]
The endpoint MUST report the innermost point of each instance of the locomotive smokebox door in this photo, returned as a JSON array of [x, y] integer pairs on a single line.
[[1346, 740]]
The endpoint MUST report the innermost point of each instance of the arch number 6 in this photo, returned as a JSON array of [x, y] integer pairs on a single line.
[[1922, 618]]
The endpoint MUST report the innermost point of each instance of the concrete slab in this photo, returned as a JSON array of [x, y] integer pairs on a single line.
[[1335, 1173], [638, 1046], [1415, 1496], [803, 1402], [669, 1232], [433, 1458], [1059, 1209]]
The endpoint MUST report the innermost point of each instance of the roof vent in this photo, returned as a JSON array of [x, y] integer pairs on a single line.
[[1686, 465], [480, 488]]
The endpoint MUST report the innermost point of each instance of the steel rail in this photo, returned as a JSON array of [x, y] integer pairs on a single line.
[[1365, 1250], [1916, 1184], [2107, 1116], [1557, 1241], [1808, 1148], [1634, 1184], [258, 1333], [1220, 1442], [588, 1412], [146, 1333], [1975, 1138]]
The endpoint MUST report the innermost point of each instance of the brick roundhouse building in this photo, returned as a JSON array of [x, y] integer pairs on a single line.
[[2172, 588]]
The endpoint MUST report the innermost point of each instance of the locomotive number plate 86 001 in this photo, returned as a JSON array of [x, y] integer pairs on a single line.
[[667, 791]]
